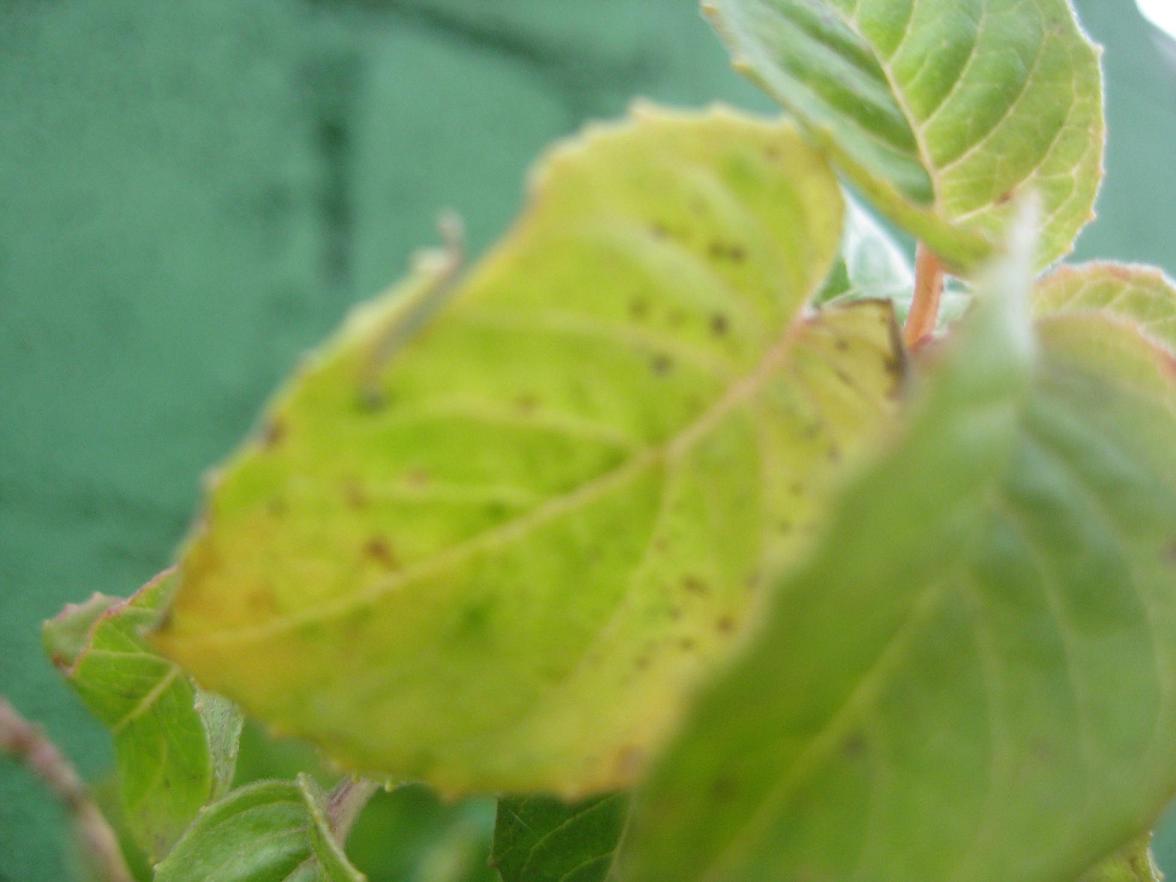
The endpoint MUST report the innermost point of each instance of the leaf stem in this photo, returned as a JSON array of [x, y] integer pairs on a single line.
[[345, 802], [924, 312], [27, 744]]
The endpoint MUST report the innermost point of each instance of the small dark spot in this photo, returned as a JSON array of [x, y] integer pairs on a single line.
[[725, 625], [371, 400], [675, 613], [273, 434], [736, 254], [354, 495], [660, 544], [854, 744], [694, 585], [629, 760], [893, 366], [796, 488], [843, 377], [719, 324], [526, 403], [722, 788], [812, 430], [1006, 197], [381, 552], [661, 364], [687, 644], [659, 230], [643, 662], [785, 526], [772, 152], [417, 477], [276, 506], [834, 453], [841, 344], [638, 308]]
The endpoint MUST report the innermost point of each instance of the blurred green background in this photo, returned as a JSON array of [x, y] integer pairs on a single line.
[[192, 192]]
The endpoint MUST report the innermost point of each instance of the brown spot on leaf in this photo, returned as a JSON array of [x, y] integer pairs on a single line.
[[378, 550], [725, 625], [354, 496], [834, 453], [638, 308], [694, 585], [417, 477], [276, 506], [658, 230], [526, 403], [687, 644], [629, 760], [840, 344], [661, 364], [719, 324], [273, 434], [854, 744], [722, 788]]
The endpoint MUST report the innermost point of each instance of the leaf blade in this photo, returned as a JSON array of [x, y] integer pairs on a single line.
[[1011, 729], [941, 113], [175, 746], [617, 361]]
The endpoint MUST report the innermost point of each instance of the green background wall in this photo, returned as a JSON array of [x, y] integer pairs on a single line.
[[192, 192]]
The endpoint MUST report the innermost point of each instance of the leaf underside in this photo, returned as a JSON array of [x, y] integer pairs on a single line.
[[972, 678], [270, 831], [175, 745], [496, 555], [942, 113]]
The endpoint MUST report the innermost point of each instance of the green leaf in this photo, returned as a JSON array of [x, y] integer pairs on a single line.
[[941, 113], [974, 675], [541, 839], [271, 831], [496, 555], [1139, 294], [1132, 864], [175, 744]]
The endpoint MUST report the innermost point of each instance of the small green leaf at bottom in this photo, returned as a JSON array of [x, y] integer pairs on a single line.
[[176, 745], [271, 831], [542, 839]]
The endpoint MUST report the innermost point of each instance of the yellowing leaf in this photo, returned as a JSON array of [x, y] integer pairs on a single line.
[[942, 112], [271, 831], [974, 676], [497, 554], [176, 745]]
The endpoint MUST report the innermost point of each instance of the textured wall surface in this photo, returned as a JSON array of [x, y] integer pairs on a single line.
[[192, 192]]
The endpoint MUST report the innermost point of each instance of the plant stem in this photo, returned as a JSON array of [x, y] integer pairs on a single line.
[[27, 744], [924, 312], [345, 803]]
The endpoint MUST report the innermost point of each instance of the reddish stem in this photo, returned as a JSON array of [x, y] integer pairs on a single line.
[[27, 744], [924, 312]]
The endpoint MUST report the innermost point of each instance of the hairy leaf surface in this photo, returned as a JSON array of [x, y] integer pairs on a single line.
[[941, 112], [496, 554], [175, 744], [272, 831], [974, 676], [541, 839]]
